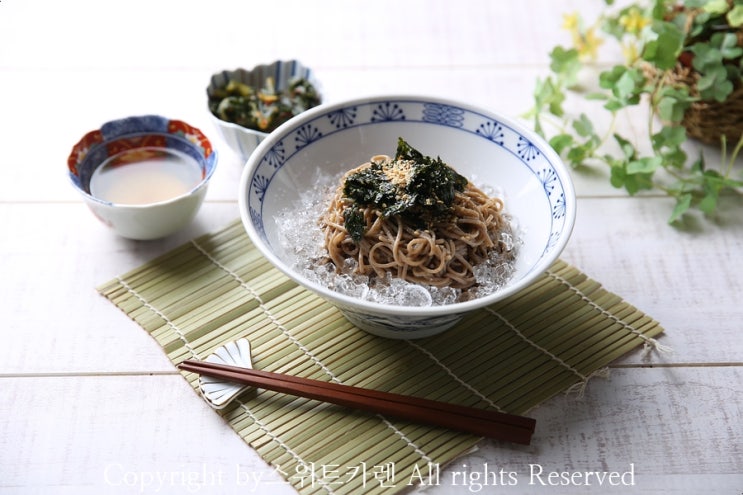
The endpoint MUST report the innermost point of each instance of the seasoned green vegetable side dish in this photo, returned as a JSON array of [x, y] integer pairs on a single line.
[[418, 188], [262, 109]]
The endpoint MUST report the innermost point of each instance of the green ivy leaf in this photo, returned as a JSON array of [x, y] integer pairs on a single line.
[[634, 183], [665, 49], [683, 203], [566, 64], [713, 184], [594, 96], [667, 144], [673, 104], [734, 72], [735, 16], [577, 155], [714, 85], [622, 176], [580, 152], [727, 43], [697, 4], [621, 80], [708, 204], [614, 105], [583, 126], [628, 149], [617, 175], [716, 7], [669, 137], [659, 9], [547, 95], [675, 157], [670, 110], [608, 78], [699, 165], [706, 56], [645, 165], [625, 84], [561, 142]]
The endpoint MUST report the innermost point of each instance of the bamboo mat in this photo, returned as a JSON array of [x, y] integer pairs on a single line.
[[510, 356]]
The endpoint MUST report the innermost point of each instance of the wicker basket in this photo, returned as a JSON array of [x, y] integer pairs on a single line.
[[708, 121]]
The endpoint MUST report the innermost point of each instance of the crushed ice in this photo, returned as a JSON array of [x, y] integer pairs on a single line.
[[300, 235]]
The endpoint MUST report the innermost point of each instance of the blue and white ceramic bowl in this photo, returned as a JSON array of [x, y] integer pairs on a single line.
[[142, 134], [488, 148]]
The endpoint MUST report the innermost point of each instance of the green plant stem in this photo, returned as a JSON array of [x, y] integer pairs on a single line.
[[609, 131], [733, 157], [657, 86]]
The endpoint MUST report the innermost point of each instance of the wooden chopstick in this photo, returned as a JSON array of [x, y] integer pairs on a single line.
[[481, 422]]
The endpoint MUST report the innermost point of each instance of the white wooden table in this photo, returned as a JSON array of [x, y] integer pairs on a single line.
[[87, 396]]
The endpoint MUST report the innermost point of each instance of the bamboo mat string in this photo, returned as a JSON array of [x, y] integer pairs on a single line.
[[167, 321], [451, 373], [541, 349], [276, 438], [649, 342]]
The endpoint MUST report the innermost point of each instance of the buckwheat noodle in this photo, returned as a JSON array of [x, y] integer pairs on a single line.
[[442, 255]]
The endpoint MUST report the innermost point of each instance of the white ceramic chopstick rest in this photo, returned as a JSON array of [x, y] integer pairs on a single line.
[[219, 393]]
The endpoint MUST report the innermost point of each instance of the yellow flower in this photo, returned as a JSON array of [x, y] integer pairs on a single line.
[[570, 21], [629, 50], [585, 41], [592, 44], [588, 44], [633, 21]]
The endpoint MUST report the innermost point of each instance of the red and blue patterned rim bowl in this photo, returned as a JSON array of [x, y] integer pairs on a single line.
[[146, 131]]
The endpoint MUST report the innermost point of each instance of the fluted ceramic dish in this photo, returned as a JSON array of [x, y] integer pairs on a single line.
[[243, 140]]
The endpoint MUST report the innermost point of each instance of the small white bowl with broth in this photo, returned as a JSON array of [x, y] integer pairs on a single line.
[[287, 182], [145, 176]]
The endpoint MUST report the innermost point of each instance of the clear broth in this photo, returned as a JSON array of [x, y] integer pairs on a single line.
[[144, 176]]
